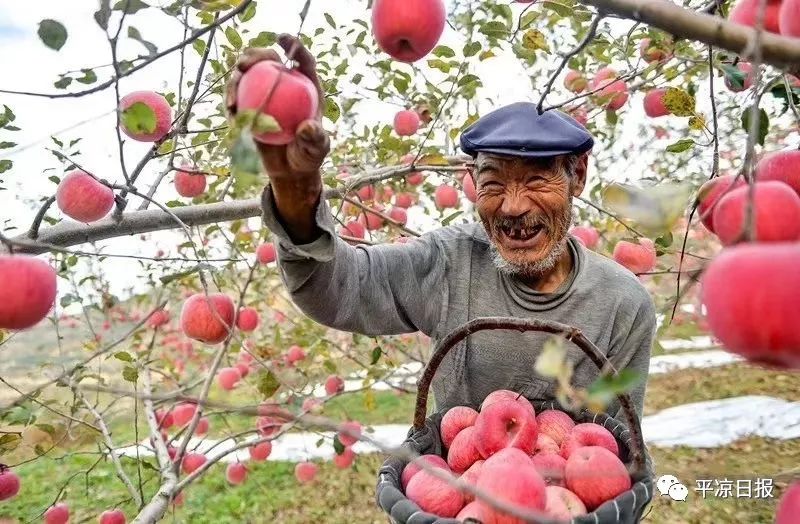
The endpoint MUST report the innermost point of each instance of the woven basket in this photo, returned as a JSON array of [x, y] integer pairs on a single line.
[[424, 437]]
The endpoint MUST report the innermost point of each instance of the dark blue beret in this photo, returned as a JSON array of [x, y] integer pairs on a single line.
[[519, 130]]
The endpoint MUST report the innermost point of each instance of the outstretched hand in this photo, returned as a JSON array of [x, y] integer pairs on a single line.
[[304, 156]]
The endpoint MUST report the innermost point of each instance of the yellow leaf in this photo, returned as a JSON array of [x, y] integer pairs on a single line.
[[534, 39], [679, 102], [433, 160], [697, 123], [654, 209], [486, 55]]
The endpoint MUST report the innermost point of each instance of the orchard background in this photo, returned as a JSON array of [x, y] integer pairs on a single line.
[[94, 374]]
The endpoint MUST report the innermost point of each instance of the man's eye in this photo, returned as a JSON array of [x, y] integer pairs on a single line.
[[490, 185]]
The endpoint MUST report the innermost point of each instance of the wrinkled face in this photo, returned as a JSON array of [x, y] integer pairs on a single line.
[[526, 207]]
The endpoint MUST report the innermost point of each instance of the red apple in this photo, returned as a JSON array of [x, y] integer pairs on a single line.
[[776, 209], [468, 184], [345, 459], [82, 198], [57, 514], [789, 18], [228, 378], [654, 106], [192, 461], [789, 505], [563, 504], [575, 81], [28, 291], [555, 424], [113, 516], [404, 200], [189, 184], [164, 418], [236, 473], [603, 76], [295, 355], [202, 427], [370, 220], [266, 253], [551, 467], [158, 318], [354, 229], [145, 129], [580, 115], [471, 477], [261, 451], [454, 420], [513, 483], [207, 318], [545, 444], [463, 451], [614, 95], [746, 12], [445, 196], [750, 293], [248, 319], [305, 472], [398, 214], [638, 258], [287, 95], [588, 434], [351, 427], [510, 456], [334, 385], [503, 424], [413, 467], [506, 394], [434, 495], [475, 510], [406, 123], [587, 235], [9, 483], [749, 77], [710, 193], [183, 413], [366, 193], [654, 53], [596, 475], [407, 30], [783, 166]]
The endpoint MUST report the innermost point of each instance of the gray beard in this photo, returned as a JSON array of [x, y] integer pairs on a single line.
[[540, 267]]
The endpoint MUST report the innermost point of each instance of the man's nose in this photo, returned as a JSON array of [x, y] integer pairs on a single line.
[[515, 204]]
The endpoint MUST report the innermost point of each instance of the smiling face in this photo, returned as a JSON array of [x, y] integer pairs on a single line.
[[525, 205]]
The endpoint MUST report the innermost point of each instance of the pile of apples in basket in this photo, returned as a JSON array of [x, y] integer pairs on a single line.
[[543, 462]]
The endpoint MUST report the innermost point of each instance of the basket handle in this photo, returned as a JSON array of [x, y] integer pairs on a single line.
[[572, 334]]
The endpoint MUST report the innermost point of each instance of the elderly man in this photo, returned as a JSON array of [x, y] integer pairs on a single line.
[[518, 261]]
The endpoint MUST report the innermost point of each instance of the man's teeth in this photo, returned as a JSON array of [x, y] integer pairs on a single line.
[[521, 232]]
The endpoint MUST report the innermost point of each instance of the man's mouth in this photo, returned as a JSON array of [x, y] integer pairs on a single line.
[[519, 236]]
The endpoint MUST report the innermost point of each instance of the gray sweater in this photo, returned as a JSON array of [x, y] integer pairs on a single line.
[[446, 277]]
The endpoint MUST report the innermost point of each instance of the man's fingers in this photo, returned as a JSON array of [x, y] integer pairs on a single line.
[[253, 55], [230, 92], [295, 50], [310, 147]]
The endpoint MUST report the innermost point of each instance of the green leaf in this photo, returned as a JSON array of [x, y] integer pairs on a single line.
[[680, 146], [233, 37], [174, 203], [63, 82], [134, 34], [376, 355], [130, 373], [442, 51], [139, 118], [53, 34], [199, 46], [733, 75], [47, 428], [561, 9], [338, 447], [331, 111], [102, 15], [124, 356], [7, 116], [5, 165], [612, 385], [471, 49], [679, 102], [441, 65], [665, 240], [89, 77], [7, 145], [494, 28], [268, 384], [265, 123], [244, 154], [263, 39], [450, 218], [248, 13], [763, 123], [330, 20], [130, 7], [9, 442]]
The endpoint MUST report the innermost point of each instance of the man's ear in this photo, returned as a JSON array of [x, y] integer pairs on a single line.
[[581, 171]]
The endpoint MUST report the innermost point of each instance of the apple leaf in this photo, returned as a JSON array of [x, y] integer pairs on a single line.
[[265, 123], [130, 373], [268, 384], [605, 388], [376, 355], [124, 356], [9, 442], [53, 34], [679, 102], [450, 218], [534, 40], [233, 37], [697, 123], [134, 34], [552, 361], [130, 7], [102, 15], [139, 118], [563, 10], [763, 123], [733, 75], [338, 447], [244, 155], [248, 13], [442, 51], [680, 146], [471, 49]]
